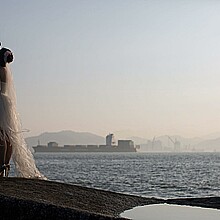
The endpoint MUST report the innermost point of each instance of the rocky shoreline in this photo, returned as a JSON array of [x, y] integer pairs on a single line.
[[39, 199]]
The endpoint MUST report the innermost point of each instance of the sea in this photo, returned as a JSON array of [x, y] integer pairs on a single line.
[[161, 175]]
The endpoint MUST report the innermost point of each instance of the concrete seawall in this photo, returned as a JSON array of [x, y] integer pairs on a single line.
[[38, 199]]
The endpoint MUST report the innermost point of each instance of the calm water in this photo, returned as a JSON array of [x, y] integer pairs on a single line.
[[164, 175]]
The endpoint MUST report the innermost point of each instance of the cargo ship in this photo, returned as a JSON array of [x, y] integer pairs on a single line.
[[110, 146]]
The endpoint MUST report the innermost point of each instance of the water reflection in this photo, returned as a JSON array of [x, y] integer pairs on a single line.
[[171, 212]]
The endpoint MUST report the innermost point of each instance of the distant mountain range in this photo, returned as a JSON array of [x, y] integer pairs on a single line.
[[211, 144], [73, 138], [65, 137]]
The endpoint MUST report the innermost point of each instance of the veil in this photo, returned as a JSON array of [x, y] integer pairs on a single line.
[[12, 131]]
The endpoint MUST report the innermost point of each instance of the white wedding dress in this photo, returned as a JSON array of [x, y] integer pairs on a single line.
[[11, 130]]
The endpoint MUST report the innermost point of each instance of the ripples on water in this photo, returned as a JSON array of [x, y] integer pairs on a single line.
[[162, 175]]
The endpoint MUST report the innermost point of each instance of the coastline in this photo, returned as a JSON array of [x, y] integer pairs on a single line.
[[39, 199]]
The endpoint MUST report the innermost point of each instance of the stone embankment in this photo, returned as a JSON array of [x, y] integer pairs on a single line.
[[39, 199]]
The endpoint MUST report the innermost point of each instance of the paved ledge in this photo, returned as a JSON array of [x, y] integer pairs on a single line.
[[39, 199]]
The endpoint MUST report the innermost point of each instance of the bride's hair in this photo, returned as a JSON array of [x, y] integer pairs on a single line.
[[6, 56]]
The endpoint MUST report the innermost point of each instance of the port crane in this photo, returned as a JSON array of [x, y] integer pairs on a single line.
[[176, 143], [153, 141]]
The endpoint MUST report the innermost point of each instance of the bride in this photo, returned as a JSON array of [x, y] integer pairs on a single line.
[[12, 143]]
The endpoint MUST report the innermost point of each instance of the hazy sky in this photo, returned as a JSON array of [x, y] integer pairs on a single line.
[[145, 67]]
